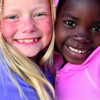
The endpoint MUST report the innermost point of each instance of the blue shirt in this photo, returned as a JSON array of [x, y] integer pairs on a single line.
[[9, 91]]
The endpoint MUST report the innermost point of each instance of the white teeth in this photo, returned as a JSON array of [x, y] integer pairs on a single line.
[[31, 41], [27, 41], [20, 41], [35, 39], [76, 50]]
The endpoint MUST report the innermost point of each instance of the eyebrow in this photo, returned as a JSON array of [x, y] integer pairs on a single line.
[[98, 22], [69, 15]]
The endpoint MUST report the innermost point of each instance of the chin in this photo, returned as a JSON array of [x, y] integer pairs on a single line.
[[76, 62]]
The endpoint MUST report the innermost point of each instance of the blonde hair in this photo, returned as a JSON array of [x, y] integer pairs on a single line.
[[27, 69]]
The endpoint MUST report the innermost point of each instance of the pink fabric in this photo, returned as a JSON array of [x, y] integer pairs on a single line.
[[79, 82], [56, 2]]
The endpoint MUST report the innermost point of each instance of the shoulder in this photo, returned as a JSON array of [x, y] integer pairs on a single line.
[[8, 89], [28, 90], [93, 69]]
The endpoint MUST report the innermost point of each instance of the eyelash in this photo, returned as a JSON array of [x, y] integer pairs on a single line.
[[70, 23], [12, 17], [39, 15], [73, 24], [96, 28]]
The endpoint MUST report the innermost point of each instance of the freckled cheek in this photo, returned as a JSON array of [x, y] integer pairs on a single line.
[[47, 30], [8, 29], [47, 26]]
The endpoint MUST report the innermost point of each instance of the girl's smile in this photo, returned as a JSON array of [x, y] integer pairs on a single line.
[[28, 40], [79, 53]]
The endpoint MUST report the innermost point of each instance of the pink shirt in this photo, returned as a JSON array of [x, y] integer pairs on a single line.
[[56, 2], [78, 82]]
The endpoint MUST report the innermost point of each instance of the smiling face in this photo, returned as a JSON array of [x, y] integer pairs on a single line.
[[78, 29], [27, 25]]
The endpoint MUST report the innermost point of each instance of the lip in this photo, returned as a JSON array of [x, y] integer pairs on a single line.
[[82, 53]]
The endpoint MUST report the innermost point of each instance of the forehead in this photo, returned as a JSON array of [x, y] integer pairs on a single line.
[[26, 2], [80, 5], [22, 6]]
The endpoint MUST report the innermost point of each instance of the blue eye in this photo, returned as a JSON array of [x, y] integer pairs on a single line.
[[39, 15], [12, 17], [70, 23], [97, 28]]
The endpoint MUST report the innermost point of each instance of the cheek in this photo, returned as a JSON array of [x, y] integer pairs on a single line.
[[46, 26], [47, 29], [58, 35], [8, 29], [62, 32]]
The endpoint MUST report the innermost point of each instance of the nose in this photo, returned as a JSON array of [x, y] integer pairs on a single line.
[[27, 26], [82, 37]]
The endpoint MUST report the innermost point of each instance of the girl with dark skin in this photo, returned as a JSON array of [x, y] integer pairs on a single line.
[[78, 40]]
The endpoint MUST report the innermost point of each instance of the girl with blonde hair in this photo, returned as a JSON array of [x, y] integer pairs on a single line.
[[26, 50]]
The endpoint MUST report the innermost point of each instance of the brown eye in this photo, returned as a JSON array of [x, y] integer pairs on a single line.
[[70, 23], [97, 28]]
